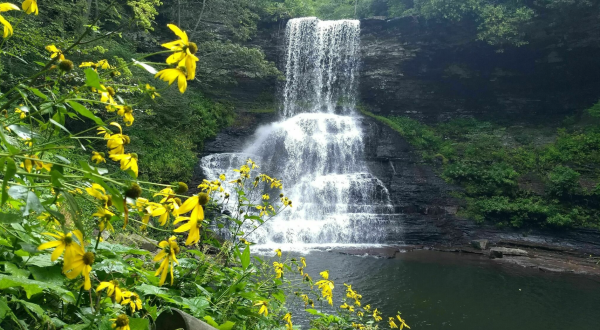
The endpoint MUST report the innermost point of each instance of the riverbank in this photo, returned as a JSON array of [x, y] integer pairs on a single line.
[[541, 257]]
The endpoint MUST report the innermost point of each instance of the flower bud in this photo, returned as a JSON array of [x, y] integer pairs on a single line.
[[134, 191], [182, 188], [193, 48], [65, 65], [111, 91], [203, 198]]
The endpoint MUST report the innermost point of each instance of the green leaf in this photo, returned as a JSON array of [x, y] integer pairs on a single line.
[[112, 266], [226, 326], [33, 204], [11, 170], [85, 112], [279, 296], [120, 249], [40, 261], [92, 79], [56, 176], [32, 287], [196, 305], [37, 309], [314, 312], [57, 124], [10, 218], [4, 309], [49, 274], [74, 209], [38, 93], [245, 258], [152, 311], [210, 321], [146, 289], [15, 271], [139, 324]]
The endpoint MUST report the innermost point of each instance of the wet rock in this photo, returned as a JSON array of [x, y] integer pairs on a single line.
[[480, 244], [495, 254], [145, 243], [507, 252]]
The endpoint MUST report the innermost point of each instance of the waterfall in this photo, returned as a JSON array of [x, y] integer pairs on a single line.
[[317, 146]]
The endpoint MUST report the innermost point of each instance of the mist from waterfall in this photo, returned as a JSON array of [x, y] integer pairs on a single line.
[[317, 146]]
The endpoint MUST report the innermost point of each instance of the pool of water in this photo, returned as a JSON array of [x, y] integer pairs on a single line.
[[435, 290]]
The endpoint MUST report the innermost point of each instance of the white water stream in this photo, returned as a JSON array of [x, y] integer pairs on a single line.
[[317, 146]]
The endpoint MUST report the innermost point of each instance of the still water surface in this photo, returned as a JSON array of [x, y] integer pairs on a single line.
[[435, 290]]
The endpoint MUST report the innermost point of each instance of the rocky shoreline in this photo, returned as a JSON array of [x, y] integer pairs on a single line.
[[534, 256]]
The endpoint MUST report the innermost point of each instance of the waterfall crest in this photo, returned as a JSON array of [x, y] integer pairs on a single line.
[[317, 146]]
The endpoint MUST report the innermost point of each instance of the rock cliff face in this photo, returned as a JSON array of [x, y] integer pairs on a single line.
[[433, 73]]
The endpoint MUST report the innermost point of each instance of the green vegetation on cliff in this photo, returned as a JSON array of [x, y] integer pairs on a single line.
[[515, 176], [498, 22]]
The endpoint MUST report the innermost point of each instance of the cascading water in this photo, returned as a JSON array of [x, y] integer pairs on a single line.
[[317, 147]]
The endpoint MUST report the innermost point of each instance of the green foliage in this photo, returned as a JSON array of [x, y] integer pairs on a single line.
[[563, 181], [506, 177]]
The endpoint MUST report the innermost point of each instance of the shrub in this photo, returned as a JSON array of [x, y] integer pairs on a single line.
[[563, 181]]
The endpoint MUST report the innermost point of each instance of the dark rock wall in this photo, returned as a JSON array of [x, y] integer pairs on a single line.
[[435, 72]]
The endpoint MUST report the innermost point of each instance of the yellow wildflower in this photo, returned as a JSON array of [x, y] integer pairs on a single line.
[[167, 194], [98, 157], [152, 91], [128, 161], [30, 7], [263, 307], [167, 257], [32, 160], [162, 211], [98, 192], [132, 299], [126, 112], [192, 225], [64, 243], [194, 220], [170, 75], [288, 318], [278, 269], [55, 52], [121, 323], [265, 196], [104, 222], [115, 142], [376, 315], [324, 274], [112, 290], [103, 64], [303, 261], [22, 114], [8, 29], [81, 263], [402, 323], [278, 252], [222, 177], [183, 52]]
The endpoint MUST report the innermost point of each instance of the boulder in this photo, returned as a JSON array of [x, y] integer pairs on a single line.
[[498, 252], [480, 244]]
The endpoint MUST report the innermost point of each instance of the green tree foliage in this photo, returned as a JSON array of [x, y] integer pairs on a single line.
[[508, 179], [499, 23]]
